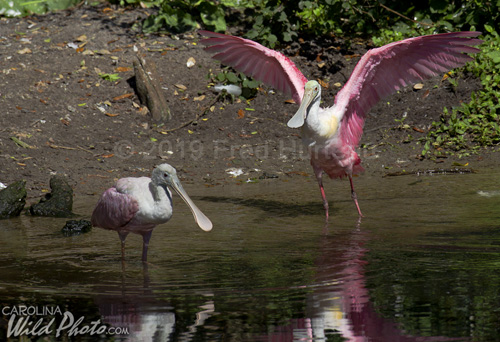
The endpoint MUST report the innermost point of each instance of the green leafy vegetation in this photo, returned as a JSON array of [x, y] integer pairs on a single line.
[[186, 15], [20, 8], [475, 124]]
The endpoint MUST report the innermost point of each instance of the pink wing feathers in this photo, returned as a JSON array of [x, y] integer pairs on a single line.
[[253, 59], [383, 71], [379, 73], [114, 210]]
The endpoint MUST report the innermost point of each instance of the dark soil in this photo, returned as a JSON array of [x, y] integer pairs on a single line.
[[92, 130]]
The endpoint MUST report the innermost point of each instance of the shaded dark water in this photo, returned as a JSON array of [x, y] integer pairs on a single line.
[[423, 265]]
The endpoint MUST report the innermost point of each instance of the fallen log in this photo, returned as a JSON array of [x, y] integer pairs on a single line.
[[149, 90]]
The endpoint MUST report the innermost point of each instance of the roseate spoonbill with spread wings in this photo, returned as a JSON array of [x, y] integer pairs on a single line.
[[138, 205], [332, 134]]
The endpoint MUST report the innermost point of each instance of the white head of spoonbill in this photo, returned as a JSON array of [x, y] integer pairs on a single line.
[[312, 96], [165, 174]]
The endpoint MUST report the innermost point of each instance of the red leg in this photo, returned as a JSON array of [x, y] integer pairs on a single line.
[[355, 197], [319, 177]]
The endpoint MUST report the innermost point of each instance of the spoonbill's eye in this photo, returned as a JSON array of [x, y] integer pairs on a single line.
[[165, 175]]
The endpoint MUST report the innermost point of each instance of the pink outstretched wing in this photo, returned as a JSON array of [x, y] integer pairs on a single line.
[[383, 71], [266, 65], [114, 210]]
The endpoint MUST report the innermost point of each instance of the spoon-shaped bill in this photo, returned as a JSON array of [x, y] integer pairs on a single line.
[[200, 218], [299, 118]]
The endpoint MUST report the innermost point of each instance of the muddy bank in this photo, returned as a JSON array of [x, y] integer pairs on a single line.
[[61, 115]]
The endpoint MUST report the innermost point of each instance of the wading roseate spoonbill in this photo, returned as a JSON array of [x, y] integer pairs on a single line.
[[332, 134], [138, 205]]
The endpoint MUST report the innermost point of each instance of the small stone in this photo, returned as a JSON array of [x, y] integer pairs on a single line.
[[12, 199], [266, 175], [76, 227], [58, 203], [190, 62]]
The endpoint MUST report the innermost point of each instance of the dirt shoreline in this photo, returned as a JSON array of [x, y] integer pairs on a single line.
[[75, 123]]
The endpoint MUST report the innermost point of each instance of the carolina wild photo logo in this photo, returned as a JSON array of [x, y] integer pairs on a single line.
[[22, 323]]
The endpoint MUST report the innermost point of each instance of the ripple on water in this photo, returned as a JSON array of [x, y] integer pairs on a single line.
[[423, 262]]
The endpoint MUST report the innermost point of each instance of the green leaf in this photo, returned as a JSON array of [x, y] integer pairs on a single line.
[[272, 39], [231, 77], [212, 16], [110, 77], [495, 56], [221, 77], [20, 143], [488, 27], [250, 83]]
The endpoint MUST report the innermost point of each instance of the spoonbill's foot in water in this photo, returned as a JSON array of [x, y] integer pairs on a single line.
[[319, 178], [355, 197], [146, 236], [325, 205], [123, 236]]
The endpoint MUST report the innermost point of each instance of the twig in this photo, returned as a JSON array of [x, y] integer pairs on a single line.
[[403, 16], [378, 128], [431, 172], [84, 149], [199, 115], [363, 12], [269, 119], [61, 147], [54, 146]]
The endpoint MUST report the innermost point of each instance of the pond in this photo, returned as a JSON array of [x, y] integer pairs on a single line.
[[422, 265]]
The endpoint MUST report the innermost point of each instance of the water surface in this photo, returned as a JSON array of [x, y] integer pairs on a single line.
[[422, 265]]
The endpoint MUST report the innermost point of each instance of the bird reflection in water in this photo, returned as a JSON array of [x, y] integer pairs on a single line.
[[144, 314], [339, 303]]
